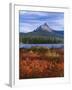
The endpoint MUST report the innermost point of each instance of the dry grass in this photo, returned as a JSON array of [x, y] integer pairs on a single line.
[[35, 64]]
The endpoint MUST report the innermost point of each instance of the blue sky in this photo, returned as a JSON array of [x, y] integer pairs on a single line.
[[30, 20]]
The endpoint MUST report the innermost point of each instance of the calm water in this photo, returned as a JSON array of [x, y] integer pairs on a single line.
[[43, 45]]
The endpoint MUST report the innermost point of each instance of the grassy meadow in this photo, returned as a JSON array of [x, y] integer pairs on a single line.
[[41, 62]]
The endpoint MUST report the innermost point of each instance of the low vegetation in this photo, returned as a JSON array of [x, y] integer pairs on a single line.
[[41, 62]]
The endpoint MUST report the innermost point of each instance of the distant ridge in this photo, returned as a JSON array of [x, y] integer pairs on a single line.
[[45, 30], [43, 34]]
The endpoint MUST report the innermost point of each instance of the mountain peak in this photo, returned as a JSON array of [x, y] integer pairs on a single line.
[[44, 27], [45, 24]]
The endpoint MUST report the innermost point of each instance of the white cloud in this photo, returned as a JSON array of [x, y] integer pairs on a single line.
[[26, 27]]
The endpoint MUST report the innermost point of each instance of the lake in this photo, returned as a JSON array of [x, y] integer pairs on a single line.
[[43, 45]]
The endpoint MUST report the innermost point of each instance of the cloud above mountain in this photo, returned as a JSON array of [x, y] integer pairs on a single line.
[[30, 20]]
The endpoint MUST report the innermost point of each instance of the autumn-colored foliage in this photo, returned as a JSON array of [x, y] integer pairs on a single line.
[[35, 64]]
